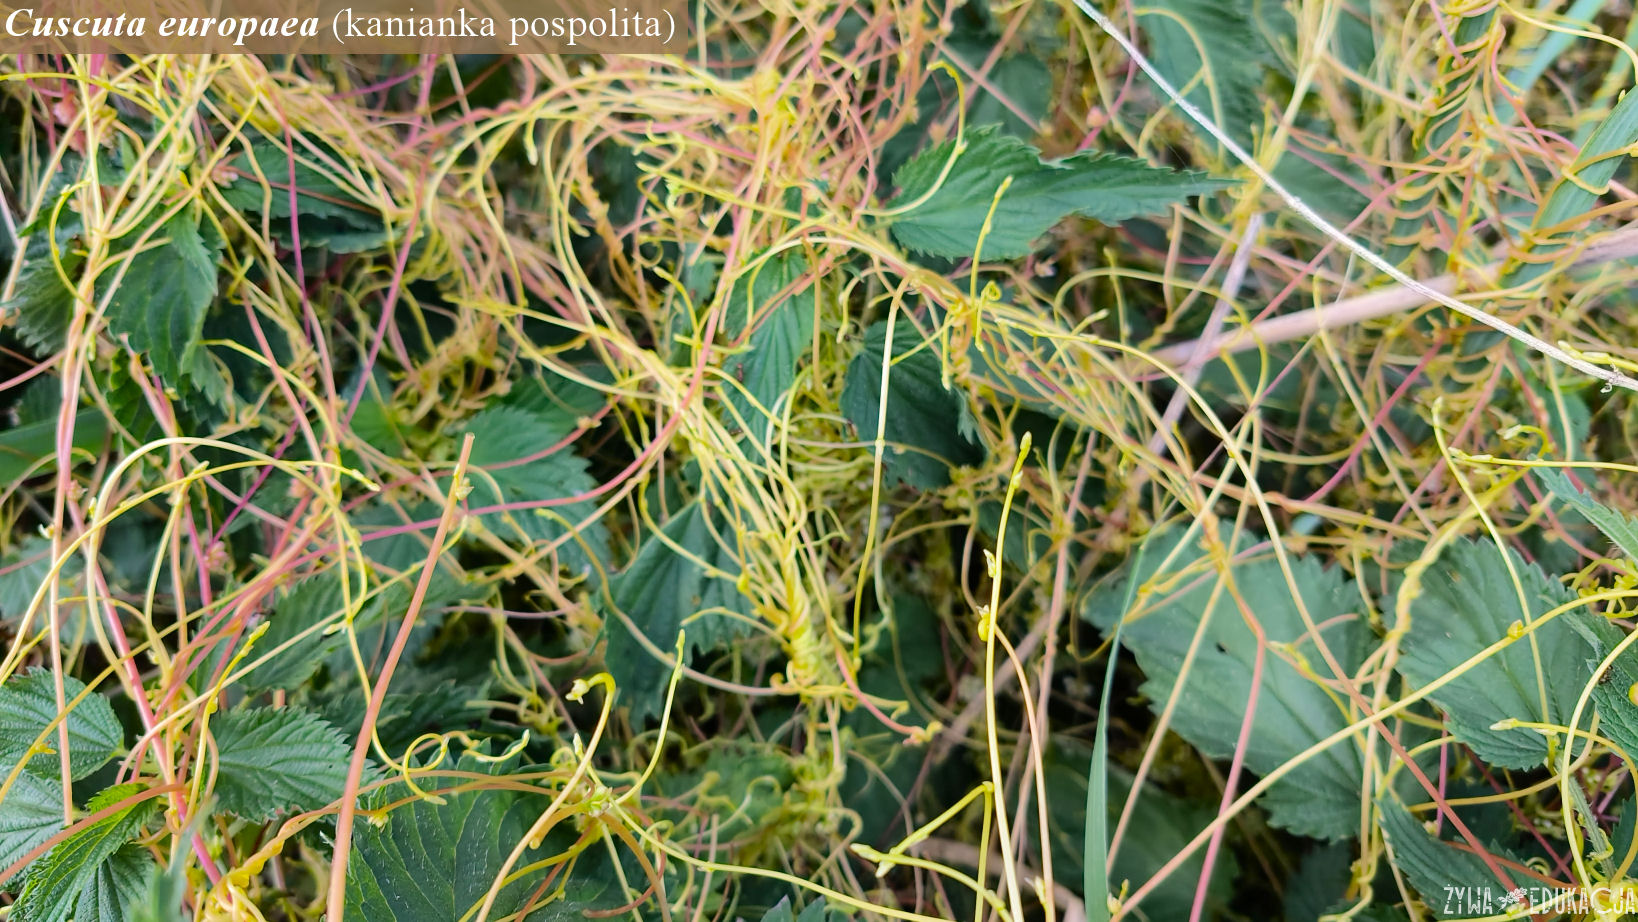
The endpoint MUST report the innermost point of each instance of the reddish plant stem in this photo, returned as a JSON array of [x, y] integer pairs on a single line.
[[337, 898]]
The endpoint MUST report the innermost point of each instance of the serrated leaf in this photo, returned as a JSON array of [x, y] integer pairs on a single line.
[[1323, 181], [559, 400], [1025, 81], [1318, 883], [1467, 602], [738, 784], [1104, 187], [1612, 689], [1626, 826], [1434, 867], [374, 422], [926, 426], [502, 437], [126, 401], [821, 911], [28, 705], [160, 304], [664, 592], [117, 887], [434, 862], [767, 367], [376, 626], [41, 306], [316, 194], [1028, 538], [781, 912], [1320, 797], [1615, 525], [75, 876], [430, 699], [298, 614], [1576, 193], [270, 760], [31, 813], [1215, 46], [328, 215], [402, 551], [39, 401], [816, 911]]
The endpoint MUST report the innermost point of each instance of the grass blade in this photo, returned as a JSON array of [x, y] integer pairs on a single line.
[[1095, 845]]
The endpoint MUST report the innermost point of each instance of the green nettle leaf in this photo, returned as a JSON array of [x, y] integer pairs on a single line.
[[1329, 183], [1103, 187], [83, 877], [1320, 797], [1025, 80], [41, 304], [402, 551], [376, 626], [298, 614], [127, 402], [664, 592], [816, 911], [929, 429], [270, 760], [374, 422], [425, 700], [160, 304], [561, 401], [39, 401], [297, 617], [1029, 532], [1615, 525], [120, 884], [1215, 46], [767, 367], [329, 216], [28, 705], [434, 862], [25, 568], [1319, 882], [1612, 689], [23, 448], [1467, 602], [31, 813], [741, 785], [505, 435], [1453, 881]]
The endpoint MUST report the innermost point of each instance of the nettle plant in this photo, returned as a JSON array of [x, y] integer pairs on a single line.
[[1344, 698], [375, 557], [842, 472]]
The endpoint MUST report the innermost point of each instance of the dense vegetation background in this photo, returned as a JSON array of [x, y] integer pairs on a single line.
[[806, 477]]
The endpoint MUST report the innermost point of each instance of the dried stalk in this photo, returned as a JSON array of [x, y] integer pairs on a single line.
[[1423, 290], [1622, 244]]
